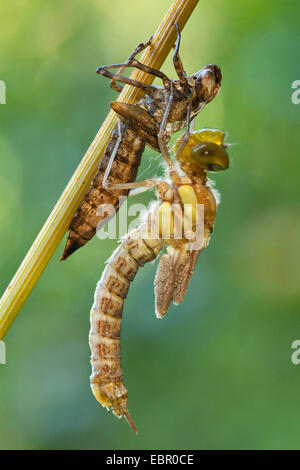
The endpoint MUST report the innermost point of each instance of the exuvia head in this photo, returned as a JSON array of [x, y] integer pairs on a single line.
[[204, 151], [207, 83]]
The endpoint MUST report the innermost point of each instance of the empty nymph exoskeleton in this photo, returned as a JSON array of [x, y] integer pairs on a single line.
[[140, 124], [186, 207]]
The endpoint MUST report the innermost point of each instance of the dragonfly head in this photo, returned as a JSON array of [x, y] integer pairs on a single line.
[[204, 151]]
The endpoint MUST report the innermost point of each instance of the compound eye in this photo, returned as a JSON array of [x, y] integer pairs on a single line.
[[210, 156]]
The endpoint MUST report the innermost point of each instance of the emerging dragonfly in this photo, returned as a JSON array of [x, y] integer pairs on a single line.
[[140, 124], [175, 212]]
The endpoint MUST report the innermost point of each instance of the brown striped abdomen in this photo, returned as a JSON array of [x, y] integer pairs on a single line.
[[124, 169], [107, 375]]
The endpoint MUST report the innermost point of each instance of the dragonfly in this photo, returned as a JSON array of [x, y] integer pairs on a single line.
[[174, 221], [161, 112]]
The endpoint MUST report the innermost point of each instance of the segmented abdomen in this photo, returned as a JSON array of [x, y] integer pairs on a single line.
[[123, 170], [107, 375]]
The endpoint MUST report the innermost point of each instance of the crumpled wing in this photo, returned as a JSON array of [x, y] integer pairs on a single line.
[[164, 284], [184, 273], [172, 278]]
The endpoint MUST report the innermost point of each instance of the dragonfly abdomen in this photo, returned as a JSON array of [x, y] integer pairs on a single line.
[[106, 314]]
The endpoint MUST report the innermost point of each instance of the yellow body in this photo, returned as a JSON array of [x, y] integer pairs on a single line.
[[198, 137], [190, 196]]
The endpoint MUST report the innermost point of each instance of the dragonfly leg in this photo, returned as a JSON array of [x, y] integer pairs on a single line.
[[177, 62], [140, 48], [131, 62], [161, 135], [189, 125], [136, 184], [136, 51], [145, 68], [141, 185], [105, 183], [136, 191], [137, 65], [119, 78], [115, 86]]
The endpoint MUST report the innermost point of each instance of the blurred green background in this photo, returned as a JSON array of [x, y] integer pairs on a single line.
[[217, 371]]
